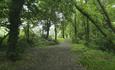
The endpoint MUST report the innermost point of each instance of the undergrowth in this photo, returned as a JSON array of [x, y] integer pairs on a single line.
[[94, 59]]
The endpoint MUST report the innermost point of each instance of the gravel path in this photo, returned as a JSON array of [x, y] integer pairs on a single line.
[[58, 57]]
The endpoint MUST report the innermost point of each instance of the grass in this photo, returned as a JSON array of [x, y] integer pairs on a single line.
[[61, 40], [94, 59]]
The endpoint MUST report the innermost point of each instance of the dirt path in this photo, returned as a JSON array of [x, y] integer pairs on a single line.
[[58, 57]]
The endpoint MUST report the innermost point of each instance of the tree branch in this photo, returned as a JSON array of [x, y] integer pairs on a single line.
[[92, 20], [107, 16]]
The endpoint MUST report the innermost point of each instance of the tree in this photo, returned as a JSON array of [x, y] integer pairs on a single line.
[[15, 22], [108, 20]]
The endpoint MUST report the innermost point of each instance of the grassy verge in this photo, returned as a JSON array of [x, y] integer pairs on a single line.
[[94, 59]]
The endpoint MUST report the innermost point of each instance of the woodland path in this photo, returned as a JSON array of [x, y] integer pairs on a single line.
[[57, 57]]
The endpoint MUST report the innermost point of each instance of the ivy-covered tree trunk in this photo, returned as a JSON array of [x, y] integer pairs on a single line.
[[15, 21]]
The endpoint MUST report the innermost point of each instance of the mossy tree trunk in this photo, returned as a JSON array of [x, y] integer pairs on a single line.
[[15, 21]]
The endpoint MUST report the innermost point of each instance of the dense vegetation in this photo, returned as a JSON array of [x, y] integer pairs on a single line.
[[89, 24], [93, 59]]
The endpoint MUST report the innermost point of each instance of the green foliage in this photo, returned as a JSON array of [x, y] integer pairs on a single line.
[[41, 42], [61, 40], [94, 59], [82, 20]]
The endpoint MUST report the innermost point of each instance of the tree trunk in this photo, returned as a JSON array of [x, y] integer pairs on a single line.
[[28, 33], [75, 27], [87, 32], [15, 21], [63, 33], [63, 30], [48, 28], [55, 32]]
